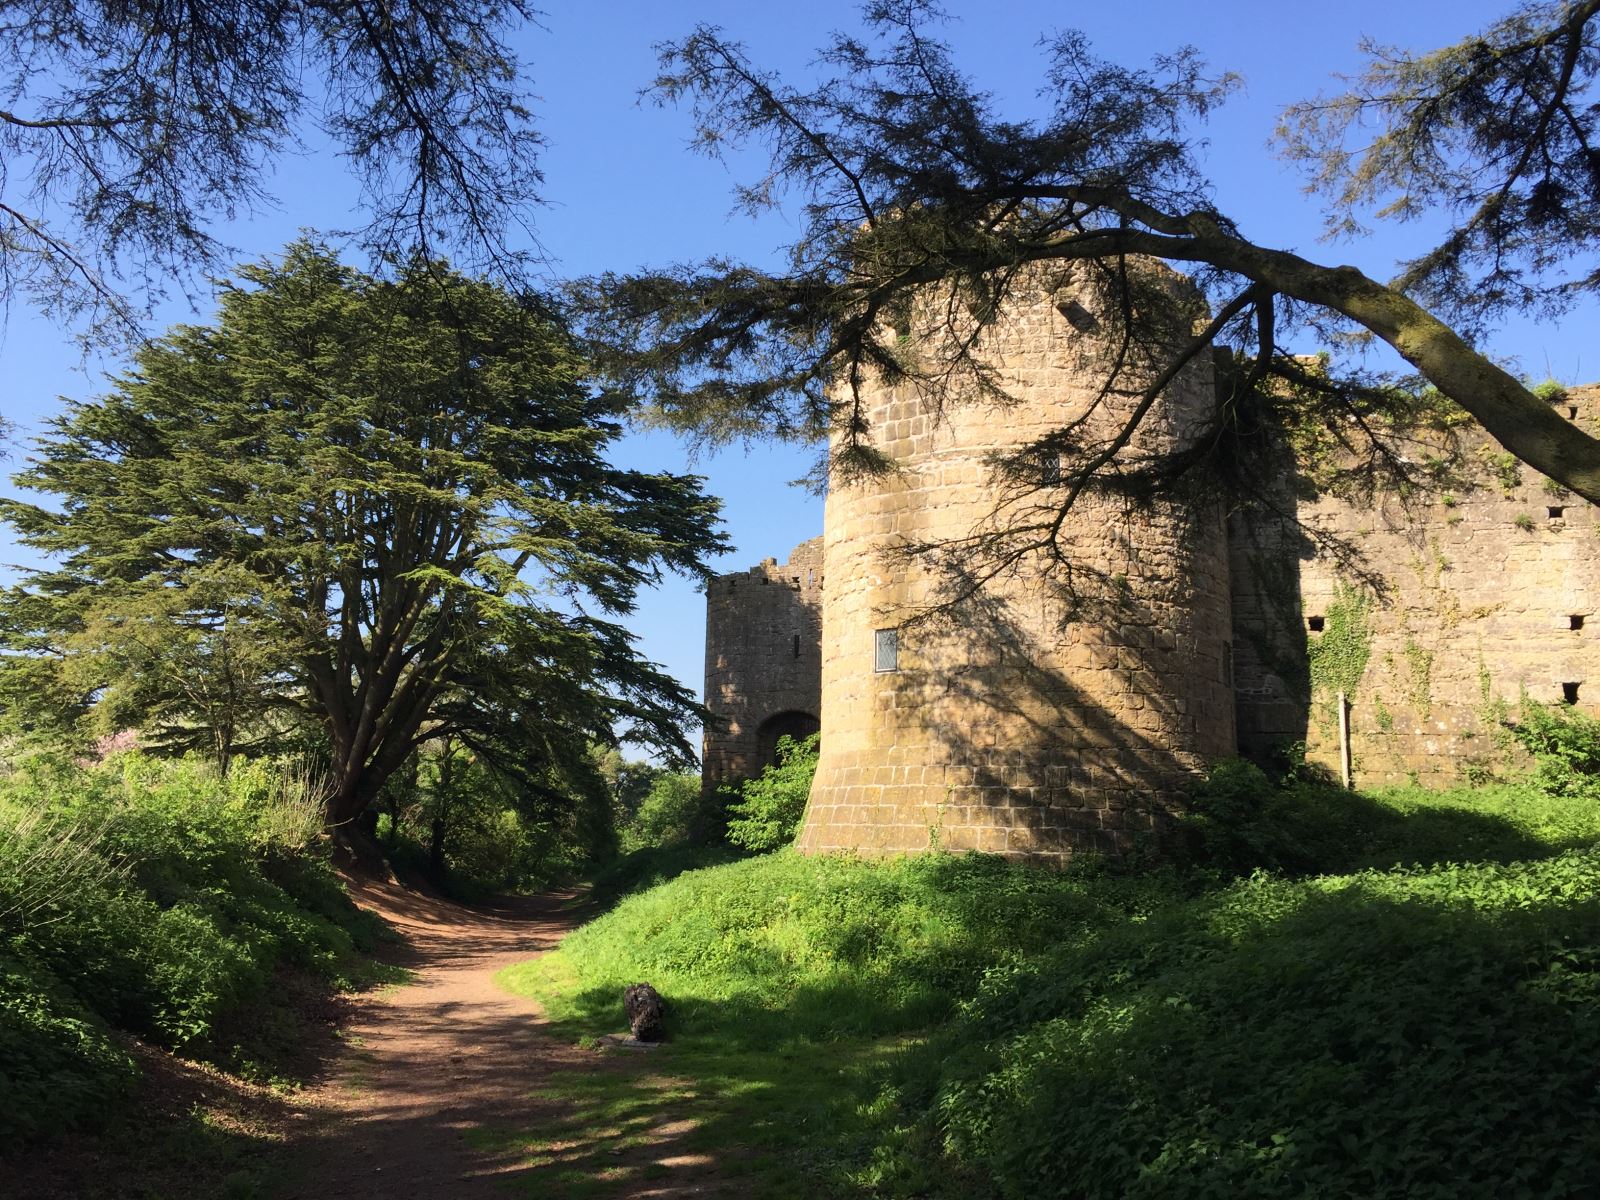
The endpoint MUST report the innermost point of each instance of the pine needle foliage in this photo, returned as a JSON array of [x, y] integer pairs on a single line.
[[922, 208]]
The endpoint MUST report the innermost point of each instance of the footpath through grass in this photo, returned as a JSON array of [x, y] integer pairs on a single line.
[[1405, 1002]]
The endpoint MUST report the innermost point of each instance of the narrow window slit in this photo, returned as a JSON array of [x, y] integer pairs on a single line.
[[797, 645], [1079, 317]]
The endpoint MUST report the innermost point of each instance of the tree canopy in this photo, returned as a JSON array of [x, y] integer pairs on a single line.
[[126, 129], [912, 184], [377, 509]]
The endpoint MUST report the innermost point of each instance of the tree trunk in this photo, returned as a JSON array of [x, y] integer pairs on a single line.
[[436, 846], [441, 811], [1525, 425], [1521, 422]]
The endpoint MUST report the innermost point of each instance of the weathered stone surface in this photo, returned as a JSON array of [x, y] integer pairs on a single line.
[[1056, 714], [1055, 719], [646, 1012], [1479, 595], [763, 661]]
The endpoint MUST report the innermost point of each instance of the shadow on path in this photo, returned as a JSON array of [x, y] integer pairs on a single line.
[[432, 1069]]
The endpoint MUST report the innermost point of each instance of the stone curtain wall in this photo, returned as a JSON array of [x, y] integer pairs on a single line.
[[1054, 714], [763, 661], [1453, 605]]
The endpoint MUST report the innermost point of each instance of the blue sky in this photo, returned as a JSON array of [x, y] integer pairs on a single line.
[[623, 191]]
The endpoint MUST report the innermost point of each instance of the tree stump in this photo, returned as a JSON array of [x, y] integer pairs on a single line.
[[646, 1011]]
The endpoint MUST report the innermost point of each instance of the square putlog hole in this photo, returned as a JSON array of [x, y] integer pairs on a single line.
[[1569, 693], [1575, 621], [1315, 624]]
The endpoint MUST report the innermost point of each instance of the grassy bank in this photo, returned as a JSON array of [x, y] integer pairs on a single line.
[[149, 900], [1404, 1002]]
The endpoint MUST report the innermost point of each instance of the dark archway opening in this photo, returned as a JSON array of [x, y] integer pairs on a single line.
[[785, 724]]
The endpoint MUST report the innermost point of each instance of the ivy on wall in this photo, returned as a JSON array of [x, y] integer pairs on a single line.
[[1419, 662], [1338, 657]]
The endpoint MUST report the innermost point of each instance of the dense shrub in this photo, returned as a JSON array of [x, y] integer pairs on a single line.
[[1240, 822], [58, 1063], [1426, 1032], [1565, 745], [153, 898], [668, 815], [769, 808], [475, 831]]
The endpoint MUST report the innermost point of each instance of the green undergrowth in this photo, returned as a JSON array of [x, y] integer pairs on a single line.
[[644, 868], [151, 899], [1317, 993]]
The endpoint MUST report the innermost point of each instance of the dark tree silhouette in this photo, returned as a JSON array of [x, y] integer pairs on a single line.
[[915, 191], [126, 129]]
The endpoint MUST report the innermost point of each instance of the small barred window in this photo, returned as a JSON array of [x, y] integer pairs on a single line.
[[886, 650]]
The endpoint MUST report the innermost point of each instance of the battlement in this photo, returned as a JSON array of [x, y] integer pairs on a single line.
[[802, 572]]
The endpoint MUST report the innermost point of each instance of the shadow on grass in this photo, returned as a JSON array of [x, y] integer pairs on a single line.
[[696, 1115], [1431, 1032], [1131, 1027], [1314, 828], [210, 1123], [649, 867]]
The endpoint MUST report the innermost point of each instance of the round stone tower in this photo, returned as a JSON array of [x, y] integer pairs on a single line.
[[1058, 709]]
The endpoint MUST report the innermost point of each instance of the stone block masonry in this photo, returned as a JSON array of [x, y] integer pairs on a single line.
[[763, 662], [1443, 609], [1044, 718], [1049, 714]]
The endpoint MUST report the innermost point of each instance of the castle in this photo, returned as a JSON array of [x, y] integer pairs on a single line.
[[1390, 635]]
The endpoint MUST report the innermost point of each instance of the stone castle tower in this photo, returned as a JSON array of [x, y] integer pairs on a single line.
[[1054, 713], [1057, 714], [763, 661]]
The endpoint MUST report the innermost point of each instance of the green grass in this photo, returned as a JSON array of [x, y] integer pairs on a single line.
[[651, 865], [1406, 1003]]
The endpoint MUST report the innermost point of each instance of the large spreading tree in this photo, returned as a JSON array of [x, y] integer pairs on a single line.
[[375, 509], [916, 192]]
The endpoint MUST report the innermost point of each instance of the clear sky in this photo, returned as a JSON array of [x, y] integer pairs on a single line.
[[623, 191]]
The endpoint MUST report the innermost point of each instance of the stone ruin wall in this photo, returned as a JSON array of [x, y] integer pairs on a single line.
[[1046, 718], [1474, 598], [763, 662], [1037, 733]]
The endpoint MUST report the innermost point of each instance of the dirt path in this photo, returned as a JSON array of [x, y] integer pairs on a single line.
[[442, 1090]]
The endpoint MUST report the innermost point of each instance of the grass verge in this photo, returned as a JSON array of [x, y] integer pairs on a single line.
[[1406, 1004], [149, 909]]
